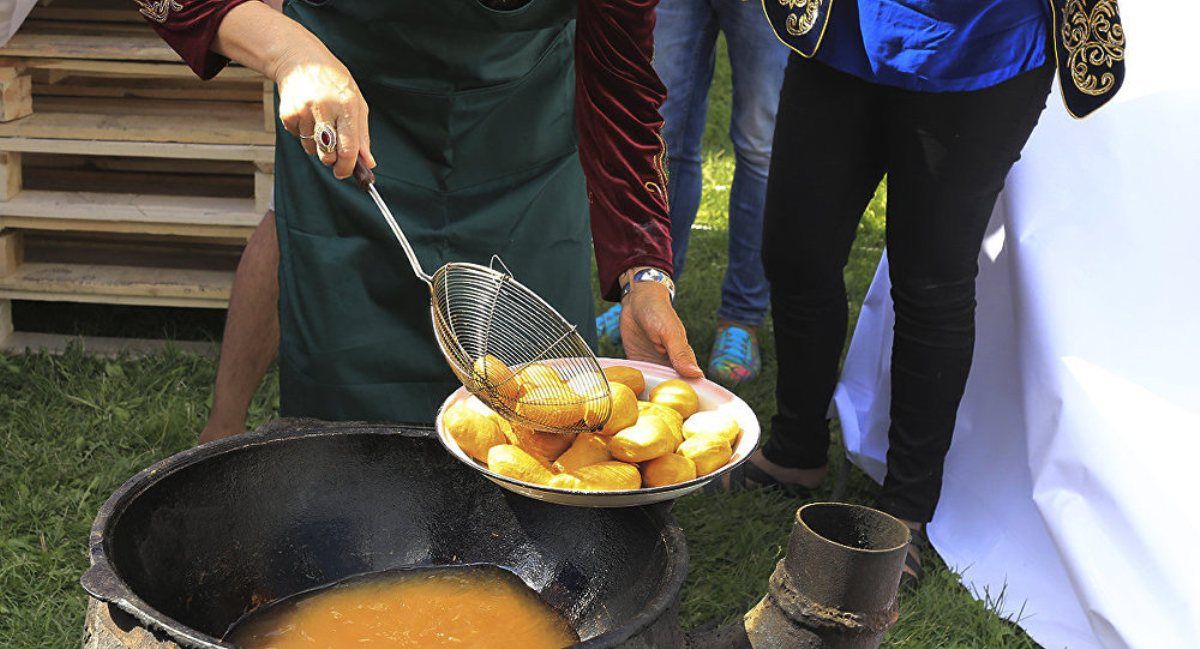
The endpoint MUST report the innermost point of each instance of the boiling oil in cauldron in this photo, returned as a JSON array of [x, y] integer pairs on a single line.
[[461, 606]]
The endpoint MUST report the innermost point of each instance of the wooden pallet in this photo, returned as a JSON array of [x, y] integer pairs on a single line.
[[39, 267], [124, 180], [89, 78], [183, 197]]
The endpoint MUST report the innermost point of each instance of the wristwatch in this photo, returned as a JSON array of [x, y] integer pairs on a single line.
[[649, 275]]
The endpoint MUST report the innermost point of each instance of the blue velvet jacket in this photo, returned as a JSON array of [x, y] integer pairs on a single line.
[[1089, 43]]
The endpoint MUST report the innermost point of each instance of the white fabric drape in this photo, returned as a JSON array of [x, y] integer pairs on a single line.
[[1071, 483], [12, 14]]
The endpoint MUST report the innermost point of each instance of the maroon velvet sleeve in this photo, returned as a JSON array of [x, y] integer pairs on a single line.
[[616, 110], [189, 27]]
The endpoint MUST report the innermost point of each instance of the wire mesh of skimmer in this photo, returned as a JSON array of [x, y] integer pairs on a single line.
[[515, 352]]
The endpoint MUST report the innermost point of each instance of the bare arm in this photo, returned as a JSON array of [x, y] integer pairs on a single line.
[[261, 38], [315, 88]]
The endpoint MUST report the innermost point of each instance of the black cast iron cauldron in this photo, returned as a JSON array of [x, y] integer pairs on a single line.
[[190, 544]]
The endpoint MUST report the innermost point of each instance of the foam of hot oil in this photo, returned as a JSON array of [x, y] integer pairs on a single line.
[[469, 606]]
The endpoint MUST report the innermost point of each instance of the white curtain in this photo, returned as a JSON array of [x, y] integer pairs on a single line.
[[1069, 486], [12, 14]]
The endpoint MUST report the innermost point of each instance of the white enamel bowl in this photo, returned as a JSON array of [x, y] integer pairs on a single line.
[[712, 397]]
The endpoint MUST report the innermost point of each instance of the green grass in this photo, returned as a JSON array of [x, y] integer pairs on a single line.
[[72, 428]]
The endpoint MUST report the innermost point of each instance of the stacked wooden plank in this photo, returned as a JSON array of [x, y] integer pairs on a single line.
[[123, 178]]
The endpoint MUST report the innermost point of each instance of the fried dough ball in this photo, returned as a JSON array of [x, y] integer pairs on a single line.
[[587, 385], [587, 449], [624, 409], [568, 482], [678, 395], [594, 411], [541, 445], [511, 461], [669, 469], [669, 416], [555, 407], [621, 404], [709, 452], [492, 372], [627, 376], [474, 431], [712, 422], [537, 375], [604, 476], [649, 438], [506, 429]]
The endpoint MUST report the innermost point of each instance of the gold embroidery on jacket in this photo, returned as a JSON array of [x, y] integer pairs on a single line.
[[158, 10], [1092, 41], [799, 25], [659, 164]]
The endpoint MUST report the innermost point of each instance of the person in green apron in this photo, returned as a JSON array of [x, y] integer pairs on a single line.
[[473, 120]]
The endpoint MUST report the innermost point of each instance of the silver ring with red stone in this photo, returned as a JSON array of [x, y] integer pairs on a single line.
[[326, 137]]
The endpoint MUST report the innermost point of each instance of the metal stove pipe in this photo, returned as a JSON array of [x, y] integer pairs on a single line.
[[835, 587]]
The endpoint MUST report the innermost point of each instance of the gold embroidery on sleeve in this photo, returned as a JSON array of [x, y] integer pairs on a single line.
[[1092, 41], [659, 165], [797, 24], [158, 10]]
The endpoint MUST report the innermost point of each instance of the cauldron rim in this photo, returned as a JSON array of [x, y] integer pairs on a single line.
[[103, 581]]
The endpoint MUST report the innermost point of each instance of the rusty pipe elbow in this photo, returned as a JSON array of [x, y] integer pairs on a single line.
[[835, 587]]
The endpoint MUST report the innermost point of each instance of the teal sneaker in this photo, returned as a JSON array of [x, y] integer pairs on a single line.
[[735, 357], [608, 325]]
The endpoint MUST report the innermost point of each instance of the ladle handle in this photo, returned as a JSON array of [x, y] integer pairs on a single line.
[[366, 180], [363, 174]]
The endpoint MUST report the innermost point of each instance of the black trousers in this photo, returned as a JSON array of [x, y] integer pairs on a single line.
[[946, 156]]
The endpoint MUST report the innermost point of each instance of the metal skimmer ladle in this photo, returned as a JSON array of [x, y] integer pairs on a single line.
[[494, 331]]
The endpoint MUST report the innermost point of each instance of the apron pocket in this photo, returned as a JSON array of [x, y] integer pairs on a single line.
[[498, 131], [505, 7]]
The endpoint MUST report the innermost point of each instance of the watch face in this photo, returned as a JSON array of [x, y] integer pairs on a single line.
[[652, 275]]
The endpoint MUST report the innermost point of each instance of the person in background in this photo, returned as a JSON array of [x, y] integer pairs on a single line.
[[940, 96], [685, 39], [251, 335], [519, 175]]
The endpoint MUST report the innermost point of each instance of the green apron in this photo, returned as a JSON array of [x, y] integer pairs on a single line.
[[473, 126]]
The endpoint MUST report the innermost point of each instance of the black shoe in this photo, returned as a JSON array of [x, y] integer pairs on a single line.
[[914, 572], [748, 476]]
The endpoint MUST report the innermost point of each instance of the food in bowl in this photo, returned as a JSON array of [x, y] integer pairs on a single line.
[[709, 452], [677, 395], [515, 462], [553, 406], [492, 372], [669, 469], [670, 416], [624, 409], [711, 423], [646, 440], [476, 432], [536, 375], [649, 443], [544, 446], [603, 476], [587, 449], [630, 377]]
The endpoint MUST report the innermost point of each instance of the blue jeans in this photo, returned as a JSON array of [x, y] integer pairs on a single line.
[[685, 39]]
